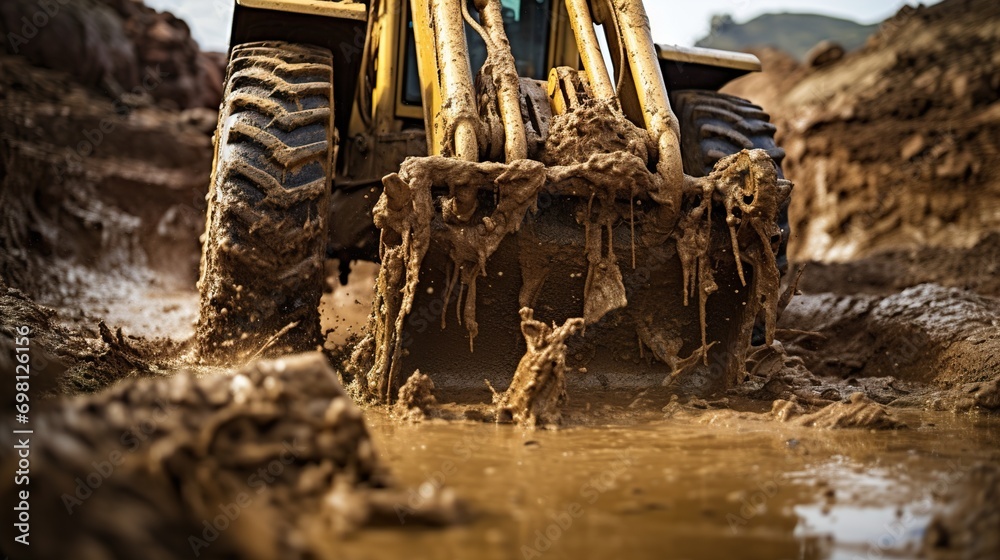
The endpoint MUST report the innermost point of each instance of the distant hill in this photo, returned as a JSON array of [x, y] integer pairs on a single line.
[[792, 33]]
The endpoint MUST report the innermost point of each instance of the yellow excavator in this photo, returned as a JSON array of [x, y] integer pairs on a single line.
[[508, 169]]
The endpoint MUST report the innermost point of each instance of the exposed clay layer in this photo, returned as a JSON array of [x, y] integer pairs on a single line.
[[889, 148], [280, 434], [126, 204], [538, 390]]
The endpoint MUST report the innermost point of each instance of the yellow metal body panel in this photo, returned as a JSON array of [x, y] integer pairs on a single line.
[[388, 65], [388, 50], [709, 57], [347, 10], [450, 111], [403, 110]]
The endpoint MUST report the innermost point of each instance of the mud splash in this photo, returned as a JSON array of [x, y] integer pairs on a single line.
[[858, 411], [538, 390], [416, 398]]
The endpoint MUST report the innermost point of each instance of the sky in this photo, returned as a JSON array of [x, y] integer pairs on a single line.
[[680, 22]]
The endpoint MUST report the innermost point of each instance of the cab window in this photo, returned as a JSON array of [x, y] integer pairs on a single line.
[[527, 25]]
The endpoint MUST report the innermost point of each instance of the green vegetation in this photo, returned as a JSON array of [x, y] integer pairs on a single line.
[[793, 33]]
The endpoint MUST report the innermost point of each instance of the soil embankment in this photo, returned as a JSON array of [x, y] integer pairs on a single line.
[[893, 146]]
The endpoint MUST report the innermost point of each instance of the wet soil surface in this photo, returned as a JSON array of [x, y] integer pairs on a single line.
[[635, 472], [700, 484]]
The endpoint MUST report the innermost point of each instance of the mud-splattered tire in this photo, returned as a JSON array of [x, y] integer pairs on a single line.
[[262, 260], [715, 125]]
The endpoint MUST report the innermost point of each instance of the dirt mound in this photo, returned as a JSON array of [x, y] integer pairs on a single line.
[[892, 146], [95, 186], [945, 337], [275, 458], [120, 46], [70, 361]]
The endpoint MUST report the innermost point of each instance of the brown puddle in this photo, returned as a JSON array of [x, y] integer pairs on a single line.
[[708, 486]]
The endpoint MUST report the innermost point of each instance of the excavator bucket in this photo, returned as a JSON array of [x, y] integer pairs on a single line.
[[586, 258], [661, 295], [647, 276]]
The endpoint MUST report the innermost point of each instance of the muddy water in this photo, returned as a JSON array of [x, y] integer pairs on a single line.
[[713, 486]]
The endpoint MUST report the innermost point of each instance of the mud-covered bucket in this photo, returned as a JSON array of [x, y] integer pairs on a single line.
[[663, 296]]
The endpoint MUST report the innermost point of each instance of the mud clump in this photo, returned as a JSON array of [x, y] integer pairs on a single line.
[[416, 398], [987, 395], [858, 411], [603, 127], [538, 391], [281, 439]]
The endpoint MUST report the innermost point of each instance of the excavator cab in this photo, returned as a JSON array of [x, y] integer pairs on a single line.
[[505, 176]]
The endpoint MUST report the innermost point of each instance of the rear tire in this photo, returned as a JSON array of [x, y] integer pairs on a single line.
[[715, 125], [265, 243]]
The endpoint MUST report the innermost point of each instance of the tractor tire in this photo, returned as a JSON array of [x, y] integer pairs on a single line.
[[715, 125], [262, 267]]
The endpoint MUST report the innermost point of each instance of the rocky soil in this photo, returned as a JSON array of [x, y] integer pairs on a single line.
[[93, 185], [119, 46], [187, 448]]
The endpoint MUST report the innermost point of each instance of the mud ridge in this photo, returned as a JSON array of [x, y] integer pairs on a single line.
[[193, 443]]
